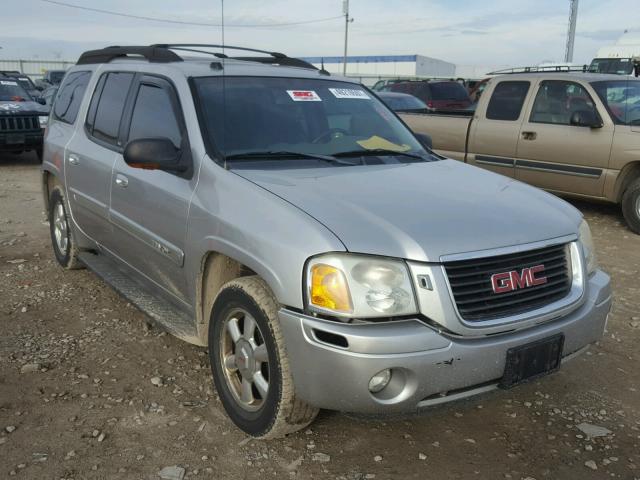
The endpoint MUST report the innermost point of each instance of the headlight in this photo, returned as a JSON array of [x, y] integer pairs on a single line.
[[361, 286], [588, 249], [43, 119]]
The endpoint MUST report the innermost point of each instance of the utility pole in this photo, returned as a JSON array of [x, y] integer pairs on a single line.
[[347, 21], [571, 33]]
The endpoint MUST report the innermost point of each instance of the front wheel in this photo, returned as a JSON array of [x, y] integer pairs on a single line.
[[249, 362], [631, 206]]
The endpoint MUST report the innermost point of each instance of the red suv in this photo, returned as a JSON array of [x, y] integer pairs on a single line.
[[437, 94]]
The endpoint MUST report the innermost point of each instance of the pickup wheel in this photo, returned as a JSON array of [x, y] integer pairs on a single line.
[[631, 206], [249, 361], [64, 246]]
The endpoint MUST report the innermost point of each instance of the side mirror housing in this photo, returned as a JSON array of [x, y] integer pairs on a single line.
[[585, 118], [40, 100], [158, 153], [425, 140]]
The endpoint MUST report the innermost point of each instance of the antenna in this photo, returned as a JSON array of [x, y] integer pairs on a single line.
[[222, 23]]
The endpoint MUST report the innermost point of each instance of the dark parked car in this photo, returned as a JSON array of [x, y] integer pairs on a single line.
[[437, 94], [403, 102], [22, 119], [51, 77], [49, 95]]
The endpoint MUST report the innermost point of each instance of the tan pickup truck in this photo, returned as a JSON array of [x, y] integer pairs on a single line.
[[570, 133]]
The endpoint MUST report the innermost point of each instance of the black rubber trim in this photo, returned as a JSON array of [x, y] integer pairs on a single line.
[[503, 162], [566, 169]]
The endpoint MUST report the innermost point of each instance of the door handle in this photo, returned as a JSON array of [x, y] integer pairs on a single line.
[[529, 135], [122, 181], [73, 159]]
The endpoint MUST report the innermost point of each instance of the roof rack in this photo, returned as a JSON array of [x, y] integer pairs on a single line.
[[105, 55], [547, 68], [164, 53]]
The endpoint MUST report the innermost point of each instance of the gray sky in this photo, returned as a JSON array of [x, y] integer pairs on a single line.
[[516, 32]]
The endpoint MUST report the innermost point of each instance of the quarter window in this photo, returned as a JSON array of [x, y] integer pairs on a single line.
[[557, 100], [69, 98], [507, 100], [110, 106], [153, 115]]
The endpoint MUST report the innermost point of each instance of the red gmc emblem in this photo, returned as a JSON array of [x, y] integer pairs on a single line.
[[510, 281]]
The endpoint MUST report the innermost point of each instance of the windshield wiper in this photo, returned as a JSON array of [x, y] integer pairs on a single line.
[[377, 152], [268, 155]]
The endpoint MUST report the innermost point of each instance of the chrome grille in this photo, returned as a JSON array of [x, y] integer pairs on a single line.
[[16, 123], [472, 288]]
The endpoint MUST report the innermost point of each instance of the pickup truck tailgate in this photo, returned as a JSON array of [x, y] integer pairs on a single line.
[[448, 132]]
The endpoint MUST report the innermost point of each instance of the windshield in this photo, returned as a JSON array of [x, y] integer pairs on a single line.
[[403, 102], [620, 66], [11, 91], [448, 91], [25, 83], [622, 99], [307, 116]]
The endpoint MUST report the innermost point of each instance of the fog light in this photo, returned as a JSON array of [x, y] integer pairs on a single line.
[[379, 381]]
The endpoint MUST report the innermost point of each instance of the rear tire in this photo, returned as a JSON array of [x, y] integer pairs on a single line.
[[631, 206], [249, 362], [64, 246]]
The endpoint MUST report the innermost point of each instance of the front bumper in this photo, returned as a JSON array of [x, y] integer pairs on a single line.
[[19, 141], [428, 367]]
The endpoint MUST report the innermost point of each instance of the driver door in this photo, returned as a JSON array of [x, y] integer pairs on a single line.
[[149, 208], [555, 155]]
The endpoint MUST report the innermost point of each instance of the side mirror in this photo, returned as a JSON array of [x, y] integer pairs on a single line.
[[40, 100], [585, 118], [425, 140], [153, 154]]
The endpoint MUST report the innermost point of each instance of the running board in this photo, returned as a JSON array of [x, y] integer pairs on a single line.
[[163, 313]]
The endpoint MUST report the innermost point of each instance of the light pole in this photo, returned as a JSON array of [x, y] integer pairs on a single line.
[[347, 21]]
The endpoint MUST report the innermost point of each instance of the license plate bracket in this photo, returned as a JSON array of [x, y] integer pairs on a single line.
[[15, 139], [533, 360]]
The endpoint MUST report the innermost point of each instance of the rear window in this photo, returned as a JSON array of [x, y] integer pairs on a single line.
[[110, 105], [448, 91], [507, 100], [70, 97]]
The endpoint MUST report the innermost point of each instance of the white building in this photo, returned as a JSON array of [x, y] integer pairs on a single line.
[[387, 66]]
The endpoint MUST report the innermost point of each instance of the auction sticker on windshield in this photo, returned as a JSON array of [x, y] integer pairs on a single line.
[[304, 96], [349, 93]]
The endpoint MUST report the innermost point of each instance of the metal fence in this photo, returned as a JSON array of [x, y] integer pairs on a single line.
[[35, 68]]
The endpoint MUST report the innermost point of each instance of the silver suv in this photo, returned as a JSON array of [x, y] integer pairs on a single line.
[[290, 222]]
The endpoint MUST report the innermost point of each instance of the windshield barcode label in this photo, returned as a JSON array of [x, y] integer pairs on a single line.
[[349, 93]]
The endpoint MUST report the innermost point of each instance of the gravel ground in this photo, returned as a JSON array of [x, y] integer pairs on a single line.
[[77, 398]]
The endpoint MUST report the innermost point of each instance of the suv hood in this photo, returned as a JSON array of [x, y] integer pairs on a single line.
[[421, 211], [22, 108]]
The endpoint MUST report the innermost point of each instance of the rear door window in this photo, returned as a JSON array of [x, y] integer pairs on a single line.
[[70, 96], [507, 100], [110, 105], [448, 91]]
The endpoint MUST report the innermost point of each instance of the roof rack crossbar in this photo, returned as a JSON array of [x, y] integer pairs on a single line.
[[151, 53]]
